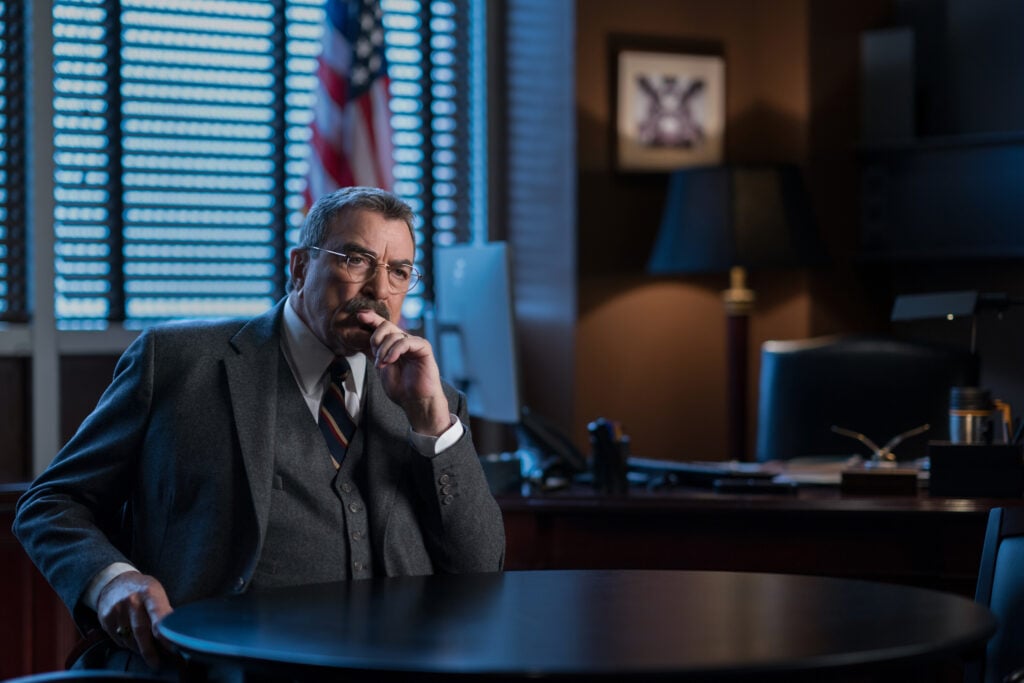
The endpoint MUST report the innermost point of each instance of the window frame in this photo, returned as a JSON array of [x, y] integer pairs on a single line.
[[39, 339]]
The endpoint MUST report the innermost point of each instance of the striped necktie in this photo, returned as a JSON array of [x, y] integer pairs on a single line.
[[335, 422]]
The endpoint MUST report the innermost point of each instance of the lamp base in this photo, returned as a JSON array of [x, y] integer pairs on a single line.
[[739, 302], [738, 299]]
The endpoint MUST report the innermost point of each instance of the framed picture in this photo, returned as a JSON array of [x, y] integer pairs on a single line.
[[668, 104]]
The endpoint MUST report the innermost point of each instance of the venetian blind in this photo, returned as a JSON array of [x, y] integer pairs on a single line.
[[432, 84], [181, 138], [13, 271]]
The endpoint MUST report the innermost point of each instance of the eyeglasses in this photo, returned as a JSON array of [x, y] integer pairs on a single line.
[[359, 267]]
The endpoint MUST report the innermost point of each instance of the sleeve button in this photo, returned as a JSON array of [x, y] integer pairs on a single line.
[[444, 479], [447, 500]]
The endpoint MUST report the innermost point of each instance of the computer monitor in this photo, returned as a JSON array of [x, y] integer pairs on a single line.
[[474, 334]]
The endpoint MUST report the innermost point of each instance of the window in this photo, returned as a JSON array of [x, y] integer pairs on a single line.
[[181, 136], [13, 260]]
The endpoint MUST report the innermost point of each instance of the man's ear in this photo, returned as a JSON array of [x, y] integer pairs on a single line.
[[298, 261]]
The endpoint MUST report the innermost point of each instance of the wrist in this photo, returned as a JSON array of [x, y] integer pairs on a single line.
[[102, 581], [430, 417]]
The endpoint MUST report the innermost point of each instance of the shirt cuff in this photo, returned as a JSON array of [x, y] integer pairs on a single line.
[[432, 445], [100, 581]]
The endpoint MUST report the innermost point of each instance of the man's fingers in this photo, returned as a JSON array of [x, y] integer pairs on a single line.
[[120, 633], [142, 632], [158, 607], [130, 607], [371, 319], [391, 346]]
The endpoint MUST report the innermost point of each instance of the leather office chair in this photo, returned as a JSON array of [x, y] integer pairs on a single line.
[[1001, 588], [877, 386]]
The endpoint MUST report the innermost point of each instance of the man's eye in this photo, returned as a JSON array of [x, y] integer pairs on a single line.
[[401, 273], [357, 261]]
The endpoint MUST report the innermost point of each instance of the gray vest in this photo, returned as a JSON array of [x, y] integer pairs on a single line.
[[317, 529]]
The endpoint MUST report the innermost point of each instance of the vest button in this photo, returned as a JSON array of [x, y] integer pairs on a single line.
[[346, 487], [357, 565], [357, 535], [354, 507]]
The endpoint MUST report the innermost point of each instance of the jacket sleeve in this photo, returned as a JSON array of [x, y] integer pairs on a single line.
[[463, 524], [71, 517]]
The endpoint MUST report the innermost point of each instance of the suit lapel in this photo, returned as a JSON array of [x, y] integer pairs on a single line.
[[252, 381]]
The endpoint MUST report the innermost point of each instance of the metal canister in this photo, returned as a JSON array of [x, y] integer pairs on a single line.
[[971, 413]]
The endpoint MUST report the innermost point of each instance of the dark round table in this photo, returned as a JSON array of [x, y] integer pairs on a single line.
[[598, 624]]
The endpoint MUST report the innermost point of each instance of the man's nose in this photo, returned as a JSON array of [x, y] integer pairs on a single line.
[[377, 286]]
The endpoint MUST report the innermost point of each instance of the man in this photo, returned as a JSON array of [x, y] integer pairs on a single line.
[[221, 458]]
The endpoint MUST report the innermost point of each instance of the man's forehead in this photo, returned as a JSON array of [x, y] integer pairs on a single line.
[[372, 235]]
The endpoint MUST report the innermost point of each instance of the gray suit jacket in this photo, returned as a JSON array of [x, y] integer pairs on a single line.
[[174, 468]]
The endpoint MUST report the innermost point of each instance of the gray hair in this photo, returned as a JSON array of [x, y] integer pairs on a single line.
[[320, 217], [330, 207]]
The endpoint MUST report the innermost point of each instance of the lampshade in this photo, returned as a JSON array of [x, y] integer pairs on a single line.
[[723, 216]]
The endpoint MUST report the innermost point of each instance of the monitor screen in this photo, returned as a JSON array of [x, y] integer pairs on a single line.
[[473, 334]]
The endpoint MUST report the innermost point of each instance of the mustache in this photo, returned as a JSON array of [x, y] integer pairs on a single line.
[[361, 303]]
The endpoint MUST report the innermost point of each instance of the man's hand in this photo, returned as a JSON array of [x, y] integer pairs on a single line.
[[409, 374], [130, 607]]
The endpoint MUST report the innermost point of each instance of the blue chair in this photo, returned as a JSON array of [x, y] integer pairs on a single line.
[[1001, 588]]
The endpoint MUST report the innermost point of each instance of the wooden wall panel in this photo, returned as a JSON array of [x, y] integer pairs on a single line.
[[82, 380], [14, 419], [36, 631]]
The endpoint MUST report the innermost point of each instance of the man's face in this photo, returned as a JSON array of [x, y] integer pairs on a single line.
[[327, 300]]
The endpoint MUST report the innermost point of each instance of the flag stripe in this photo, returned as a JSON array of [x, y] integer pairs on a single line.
[[333, 163], [333, 83], [351, 128]]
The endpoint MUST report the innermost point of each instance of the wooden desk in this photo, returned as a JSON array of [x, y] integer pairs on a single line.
[[931, 542], [604, 625]]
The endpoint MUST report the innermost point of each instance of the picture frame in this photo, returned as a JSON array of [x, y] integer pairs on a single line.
[[667, 104]]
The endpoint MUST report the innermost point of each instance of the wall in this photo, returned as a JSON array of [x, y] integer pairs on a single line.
[[968, 67], [651, 352]]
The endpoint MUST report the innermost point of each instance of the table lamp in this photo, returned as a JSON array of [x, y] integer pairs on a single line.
[[950, 306], [731, 218]]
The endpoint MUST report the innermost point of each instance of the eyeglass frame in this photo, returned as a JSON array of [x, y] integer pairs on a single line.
[[415, 276]]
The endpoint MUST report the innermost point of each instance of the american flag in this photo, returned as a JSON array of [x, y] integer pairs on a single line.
[[351, 129]]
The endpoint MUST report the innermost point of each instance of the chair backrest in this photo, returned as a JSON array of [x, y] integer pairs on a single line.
[[1001, 589], [877, 386]]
